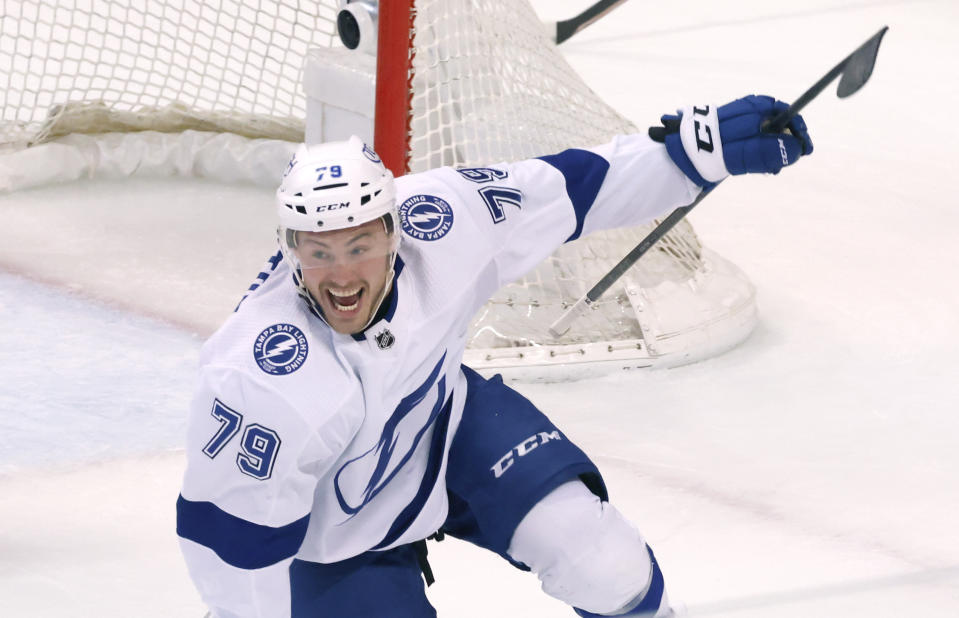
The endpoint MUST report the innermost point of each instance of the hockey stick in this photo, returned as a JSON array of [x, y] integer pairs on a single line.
[[568, 27], [855, 69]]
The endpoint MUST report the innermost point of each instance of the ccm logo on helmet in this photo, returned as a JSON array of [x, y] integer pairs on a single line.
[[334, 206]]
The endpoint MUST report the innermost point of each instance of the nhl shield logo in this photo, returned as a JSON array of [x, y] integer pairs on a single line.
[[385, 340]]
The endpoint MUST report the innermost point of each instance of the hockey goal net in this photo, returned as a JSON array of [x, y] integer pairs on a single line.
[[484, 84]]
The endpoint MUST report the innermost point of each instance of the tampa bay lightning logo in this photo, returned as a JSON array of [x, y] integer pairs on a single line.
[[426, 217], [370, 154], [280, 349], [290, 166]]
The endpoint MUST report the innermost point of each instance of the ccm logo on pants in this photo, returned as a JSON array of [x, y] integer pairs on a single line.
[[522, 449]]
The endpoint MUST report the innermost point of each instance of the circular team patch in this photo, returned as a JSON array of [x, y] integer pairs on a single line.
[[280, 349], [426, 217], [370, 154]]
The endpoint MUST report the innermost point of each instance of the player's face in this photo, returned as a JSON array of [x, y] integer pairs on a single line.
[[346, 272]]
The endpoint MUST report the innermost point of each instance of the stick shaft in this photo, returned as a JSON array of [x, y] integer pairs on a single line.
[[560, 326], [639, 250], [568, 27]]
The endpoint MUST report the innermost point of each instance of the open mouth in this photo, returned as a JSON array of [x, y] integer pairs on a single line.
[[345, 300]]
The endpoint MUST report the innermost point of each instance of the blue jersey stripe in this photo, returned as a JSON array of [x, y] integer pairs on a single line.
[[262, 276], [584, 172], [394, 296], [236, 541]]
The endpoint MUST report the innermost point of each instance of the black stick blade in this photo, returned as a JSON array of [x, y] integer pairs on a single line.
[[855, 69], [859, 65]]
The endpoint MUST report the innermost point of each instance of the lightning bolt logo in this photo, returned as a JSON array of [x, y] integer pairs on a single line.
[[290, 166], [425, 217], [280, 348]]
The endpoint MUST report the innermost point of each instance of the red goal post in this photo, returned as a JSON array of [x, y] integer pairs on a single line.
[[394, 56]]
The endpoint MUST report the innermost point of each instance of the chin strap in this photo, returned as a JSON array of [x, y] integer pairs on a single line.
[[374, 312]]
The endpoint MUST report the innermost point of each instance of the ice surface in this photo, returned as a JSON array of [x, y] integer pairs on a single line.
[[84, 382], [813, 471]]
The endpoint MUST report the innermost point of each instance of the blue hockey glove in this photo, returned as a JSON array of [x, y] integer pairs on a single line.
[[708, 144]]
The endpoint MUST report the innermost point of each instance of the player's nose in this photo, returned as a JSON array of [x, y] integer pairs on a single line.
[[342, 274]]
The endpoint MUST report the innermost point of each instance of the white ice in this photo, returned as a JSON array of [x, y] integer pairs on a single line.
[[813, 471]]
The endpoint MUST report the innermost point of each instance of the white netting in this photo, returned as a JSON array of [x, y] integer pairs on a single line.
[[488, 86], [92, 66]]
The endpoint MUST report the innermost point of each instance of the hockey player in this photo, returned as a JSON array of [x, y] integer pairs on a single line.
[[335, 428]]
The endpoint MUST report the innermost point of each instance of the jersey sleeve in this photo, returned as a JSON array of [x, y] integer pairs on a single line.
[[523, 211], [252, 466]]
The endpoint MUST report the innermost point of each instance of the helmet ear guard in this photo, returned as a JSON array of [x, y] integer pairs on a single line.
[[289, 237]]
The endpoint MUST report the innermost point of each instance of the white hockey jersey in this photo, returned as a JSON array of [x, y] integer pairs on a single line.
[[307, 443]]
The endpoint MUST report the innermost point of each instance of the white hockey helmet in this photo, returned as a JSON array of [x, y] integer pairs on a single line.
[[335, 186]]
